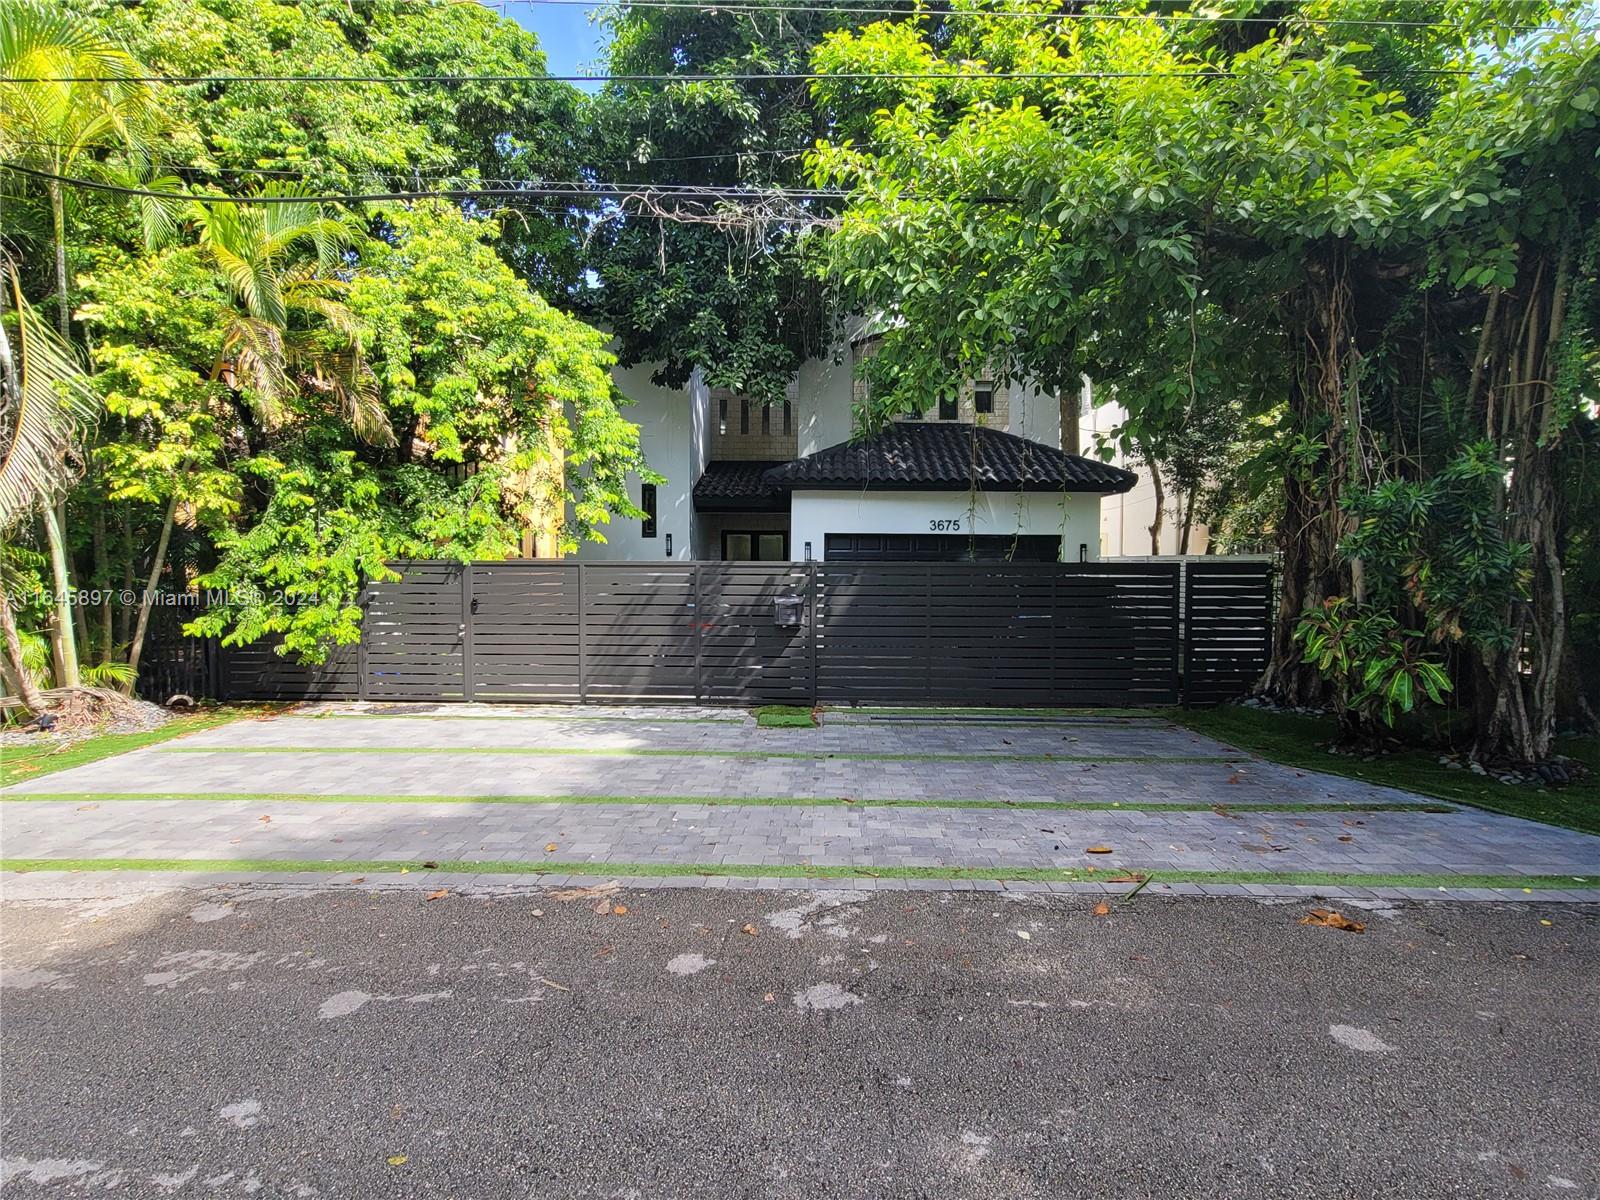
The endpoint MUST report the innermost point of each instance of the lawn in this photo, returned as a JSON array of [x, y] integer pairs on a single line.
[[785, 716], [1298, 742], [18, 764]]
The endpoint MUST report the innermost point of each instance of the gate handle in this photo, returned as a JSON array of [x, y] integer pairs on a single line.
[[474, 606]]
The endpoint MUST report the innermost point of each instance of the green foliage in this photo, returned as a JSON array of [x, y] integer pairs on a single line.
[[1378, 668]]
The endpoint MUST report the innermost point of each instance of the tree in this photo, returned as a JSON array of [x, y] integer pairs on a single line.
[[1337, 218], [47, 408]]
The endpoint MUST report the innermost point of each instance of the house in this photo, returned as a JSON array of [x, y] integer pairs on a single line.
[[980, 475], [1126, 517]]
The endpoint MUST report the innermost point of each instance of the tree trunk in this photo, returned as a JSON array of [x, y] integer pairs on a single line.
[[1520, 686], [136, 649], [66, 645], [1320, 330], [124, 613], [58, 217], [1070, 402], [29, 693], [102, 578], [1187, 528], [1161, 496]]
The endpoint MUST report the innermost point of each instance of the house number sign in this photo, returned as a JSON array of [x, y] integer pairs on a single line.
[[945, 525]]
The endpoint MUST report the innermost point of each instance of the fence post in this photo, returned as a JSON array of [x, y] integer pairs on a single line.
[[811, 607], [466, 633]]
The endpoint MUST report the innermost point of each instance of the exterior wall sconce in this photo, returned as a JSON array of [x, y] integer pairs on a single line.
[[669, 545], [808, 551], [1083, 549]]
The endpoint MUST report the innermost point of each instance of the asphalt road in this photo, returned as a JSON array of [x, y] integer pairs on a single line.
[[352, 1044]]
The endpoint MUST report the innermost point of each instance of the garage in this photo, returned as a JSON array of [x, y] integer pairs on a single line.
[[940, 547]]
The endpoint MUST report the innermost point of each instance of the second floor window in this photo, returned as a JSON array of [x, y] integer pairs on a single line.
[[947, 408], [744, 416], [983, 397]]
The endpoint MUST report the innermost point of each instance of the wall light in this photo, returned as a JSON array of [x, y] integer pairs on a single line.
[[808, 551], [1083, 550], [669, 545]]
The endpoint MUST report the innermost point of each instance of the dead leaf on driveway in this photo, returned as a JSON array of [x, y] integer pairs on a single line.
[[397, 1160], [549, 847], [1333, 920], [1099, 850], [1126, 877], [751, 930], [439, 895], [619, 910], [1345, 837], [265, 820], [1102, 909]]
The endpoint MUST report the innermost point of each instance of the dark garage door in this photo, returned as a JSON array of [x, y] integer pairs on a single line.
[[940, 547]]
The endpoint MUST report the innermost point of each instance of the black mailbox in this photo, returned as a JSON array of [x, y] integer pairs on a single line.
[[786, 610]]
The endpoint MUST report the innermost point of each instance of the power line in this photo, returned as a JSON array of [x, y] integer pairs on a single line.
[[490, 189], [1005, 14], [747, 77]]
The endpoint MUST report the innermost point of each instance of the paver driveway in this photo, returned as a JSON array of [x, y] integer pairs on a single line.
[[613, 789]]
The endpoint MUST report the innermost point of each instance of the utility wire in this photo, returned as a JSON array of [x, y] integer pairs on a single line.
[[749, 77], [492, 189]]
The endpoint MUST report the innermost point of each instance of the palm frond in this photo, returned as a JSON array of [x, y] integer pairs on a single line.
[[47, 408], [260, 364]]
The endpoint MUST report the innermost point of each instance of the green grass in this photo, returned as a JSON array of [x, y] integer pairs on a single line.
[[1299, 741], [785, 871], [785, 716], [713, 801], [20, 764], [690, 752]]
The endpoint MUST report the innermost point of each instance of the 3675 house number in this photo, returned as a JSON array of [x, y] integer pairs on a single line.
[[945, 525]]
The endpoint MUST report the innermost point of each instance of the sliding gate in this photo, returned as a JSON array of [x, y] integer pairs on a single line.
[[727, 633]]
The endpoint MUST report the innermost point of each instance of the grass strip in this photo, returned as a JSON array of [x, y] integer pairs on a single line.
[[1300, 741], [785, 871], [20, 764], [690, 752], [716, 801], [785, 716]]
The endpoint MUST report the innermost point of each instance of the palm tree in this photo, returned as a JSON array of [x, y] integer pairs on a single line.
[[75, 89], [47, 409], [281, 259]]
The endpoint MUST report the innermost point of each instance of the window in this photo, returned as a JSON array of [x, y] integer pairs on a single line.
[[786, 416], [647, 501], [746, 545], [722, 414], [947, 408], [744, 416], [766, 419], [983, 397]]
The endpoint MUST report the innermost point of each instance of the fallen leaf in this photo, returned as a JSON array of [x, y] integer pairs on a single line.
[[603, 908], [1333, 920], [769, 997], [1025, 935], [1542, 921], [1345, 837], [538, 912], [549, 847], [430, 866], [751, 930], [1234, 778], [1102, 909], [552, 983], [397, 1160], [439, 895], [265, 820], [619, 910], [405, 870], [1098, 850], [359, 879]]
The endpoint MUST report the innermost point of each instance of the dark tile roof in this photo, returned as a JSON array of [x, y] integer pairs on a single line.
[[923, 455], [736, 484]]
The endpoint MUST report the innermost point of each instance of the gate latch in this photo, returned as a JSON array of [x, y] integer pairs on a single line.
[[786, 611], [474, 606]]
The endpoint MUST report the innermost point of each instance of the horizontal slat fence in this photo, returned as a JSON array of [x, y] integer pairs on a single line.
[[1073, 634]]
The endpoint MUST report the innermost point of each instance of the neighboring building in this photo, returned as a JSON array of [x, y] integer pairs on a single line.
[[981, 475], [1125, 518]]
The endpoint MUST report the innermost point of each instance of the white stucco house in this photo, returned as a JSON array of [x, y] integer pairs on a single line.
[[979, 476]]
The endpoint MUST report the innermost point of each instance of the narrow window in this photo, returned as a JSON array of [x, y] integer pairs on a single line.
[[983, 397], [647, 501], [744, 416], [722, 414], [786, 416], [947, 408], [766, 419]]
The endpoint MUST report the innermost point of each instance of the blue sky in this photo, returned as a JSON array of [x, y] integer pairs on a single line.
[[571, 42]]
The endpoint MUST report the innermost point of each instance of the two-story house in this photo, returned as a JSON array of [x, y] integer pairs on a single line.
[[980, 475]]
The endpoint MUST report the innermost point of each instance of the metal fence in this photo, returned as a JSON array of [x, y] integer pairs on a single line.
[[1074, 634]]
